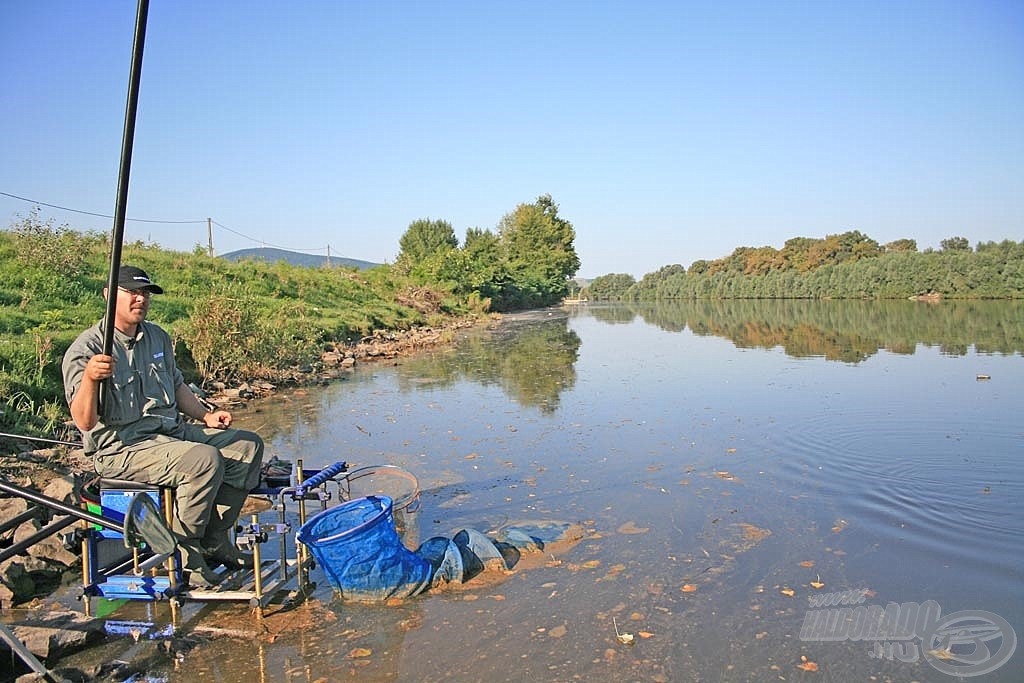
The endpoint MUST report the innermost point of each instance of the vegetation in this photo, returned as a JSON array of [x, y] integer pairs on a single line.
[[528, 263], [846, 331], [850, 265], [253, 319]]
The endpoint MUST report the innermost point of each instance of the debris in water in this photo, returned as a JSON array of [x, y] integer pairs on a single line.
[[624, 638]]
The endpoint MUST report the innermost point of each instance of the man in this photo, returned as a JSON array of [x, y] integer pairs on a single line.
[[134, 428]]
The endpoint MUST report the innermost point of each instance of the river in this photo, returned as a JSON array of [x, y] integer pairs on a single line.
[[743, 472]]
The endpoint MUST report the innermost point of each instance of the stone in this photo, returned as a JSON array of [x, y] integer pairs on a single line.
[[50, 635], [62, 488]]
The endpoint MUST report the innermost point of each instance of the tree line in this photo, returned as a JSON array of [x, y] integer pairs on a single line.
[[850, 265]]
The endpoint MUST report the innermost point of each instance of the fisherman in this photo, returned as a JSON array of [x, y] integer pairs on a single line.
[[141, 434]]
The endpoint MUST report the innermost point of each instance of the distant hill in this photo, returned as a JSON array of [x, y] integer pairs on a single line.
[[271, 255]]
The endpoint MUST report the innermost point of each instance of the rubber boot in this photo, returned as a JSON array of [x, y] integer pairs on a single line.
[[217, 545], [193, 564]]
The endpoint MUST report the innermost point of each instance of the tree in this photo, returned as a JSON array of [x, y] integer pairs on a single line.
[[901, 245], [539, 253], [610, 287], [425, 238], [955, 244]]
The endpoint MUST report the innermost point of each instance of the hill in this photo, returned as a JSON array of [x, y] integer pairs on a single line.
[[271, 255]]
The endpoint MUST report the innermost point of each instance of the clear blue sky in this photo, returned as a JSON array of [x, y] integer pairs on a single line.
[[666, 131]]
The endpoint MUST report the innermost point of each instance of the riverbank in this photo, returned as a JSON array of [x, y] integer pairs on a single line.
[[28, 582]]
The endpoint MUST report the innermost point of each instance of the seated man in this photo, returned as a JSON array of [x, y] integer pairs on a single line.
[[140, 435]]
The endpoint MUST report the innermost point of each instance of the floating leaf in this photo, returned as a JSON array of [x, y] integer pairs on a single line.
[[806, 664], [689, 588], [624, 638], [357, 652], [632, 528], [645, 634], [788, 592], [817, 584], [807, 564]]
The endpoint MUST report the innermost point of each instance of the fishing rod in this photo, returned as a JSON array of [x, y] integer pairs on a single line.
[[121, 209], [40, 439]]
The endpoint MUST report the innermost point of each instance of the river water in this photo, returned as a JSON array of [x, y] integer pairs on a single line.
[[740, 469]]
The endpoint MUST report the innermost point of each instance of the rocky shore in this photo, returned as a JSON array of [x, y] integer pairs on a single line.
[[29, 579]]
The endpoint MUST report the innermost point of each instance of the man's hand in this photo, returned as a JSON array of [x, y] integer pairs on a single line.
[[218, 419], [99, 368]]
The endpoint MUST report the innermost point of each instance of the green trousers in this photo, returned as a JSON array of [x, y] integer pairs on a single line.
[[210, 470]]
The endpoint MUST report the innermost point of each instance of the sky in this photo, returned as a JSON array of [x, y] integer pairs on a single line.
[[666, 132]]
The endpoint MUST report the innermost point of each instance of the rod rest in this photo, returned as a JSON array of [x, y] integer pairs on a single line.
[[321, 477]]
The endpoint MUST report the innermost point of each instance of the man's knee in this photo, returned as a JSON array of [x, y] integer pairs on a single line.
[[202, 461]]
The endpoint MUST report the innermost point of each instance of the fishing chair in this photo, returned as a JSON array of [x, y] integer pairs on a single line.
[[140, 563]]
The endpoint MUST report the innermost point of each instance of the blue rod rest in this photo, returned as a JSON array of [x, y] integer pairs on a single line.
[[320, 477]]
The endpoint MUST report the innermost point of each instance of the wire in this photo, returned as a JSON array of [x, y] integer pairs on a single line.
[[146, 220], [90, 213], [267, 244]]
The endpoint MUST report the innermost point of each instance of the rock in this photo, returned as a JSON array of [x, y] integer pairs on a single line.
[[62, 488], [9, 509], [15, 583], [52, 549], [50, 635]]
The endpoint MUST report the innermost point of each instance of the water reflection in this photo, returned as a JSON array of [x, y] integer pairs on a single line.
[[847, 331], [533, 363], [722, 484]]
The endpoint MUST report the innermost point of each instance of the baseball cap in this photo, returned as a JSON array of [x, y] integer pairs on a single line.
[[133, 278]]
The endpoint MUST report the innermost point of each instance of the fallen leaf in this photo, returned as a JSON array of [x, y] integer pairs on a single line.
[[689, 588], [807, 564], [632, 528], [789, 592], [817, 584], [360, 652], [645, 634], [624, 638], [806, 664]]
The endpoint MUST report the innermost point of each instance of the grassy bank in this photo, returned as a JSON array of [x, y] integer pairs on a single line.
[[230, 321]]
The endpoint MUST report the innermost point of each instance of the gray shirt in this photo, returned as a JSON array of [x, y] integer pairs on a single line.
[[138, 402]]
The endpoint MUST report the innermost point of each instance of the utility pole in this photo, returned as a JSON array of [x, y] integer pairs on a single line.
[[328, 256], [209, 235]]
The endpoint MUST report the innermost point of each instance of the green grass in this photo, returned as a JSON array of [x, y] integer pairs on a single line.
[[229, 320]]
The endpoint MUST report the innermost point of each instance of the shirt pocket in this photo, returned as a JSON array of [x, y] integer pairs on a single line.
[[124, 400], [159, 389]]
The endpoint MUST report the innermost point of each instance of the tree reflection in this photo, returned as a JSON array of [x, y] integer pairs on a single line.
[[847, 331], [532, 363]]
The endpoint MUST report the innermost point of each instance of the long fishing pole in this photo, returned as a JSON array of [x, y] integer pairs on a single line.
[[22, 437], [121, 209]]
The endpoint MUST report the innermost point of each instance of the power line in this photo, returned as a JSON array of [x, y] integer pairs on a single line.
[[90, 213], [264, 243], [167, 222]]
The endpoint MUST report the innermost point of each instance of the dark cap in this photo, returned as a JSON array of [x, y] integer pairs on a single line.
[[133, 278]]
